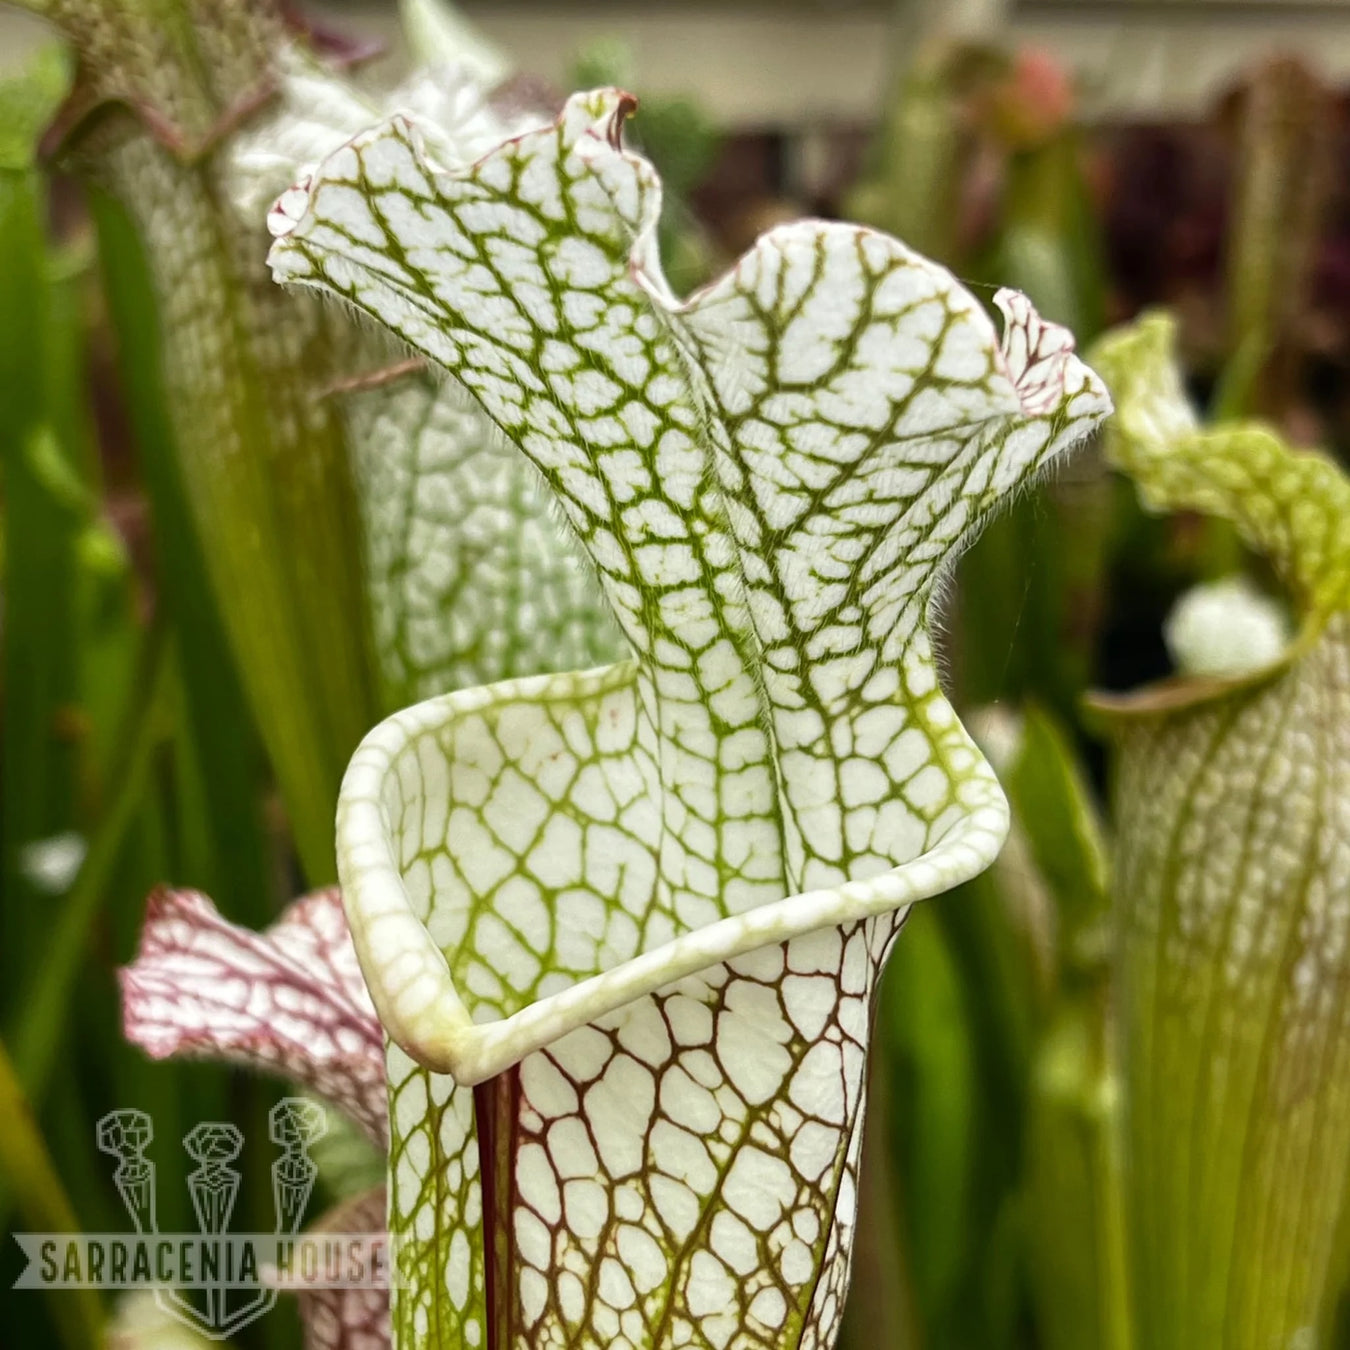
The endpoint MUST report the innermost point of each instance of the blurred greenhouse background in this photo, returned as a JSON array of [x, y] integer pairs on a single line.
[[191, 648]]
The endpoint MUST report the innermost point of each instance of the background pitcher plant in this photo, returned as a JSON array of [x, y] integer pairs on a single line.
[[642, 909], [1230, 884]]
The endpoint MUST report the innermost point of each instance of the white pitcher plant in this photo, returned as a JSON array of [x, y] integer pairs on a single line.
[[622, 927]]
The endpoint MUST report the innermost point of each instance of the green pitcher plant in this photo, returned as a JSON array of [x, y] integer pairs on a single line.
[[162, 89], [298, 441], [1230, 888], [622, 926]]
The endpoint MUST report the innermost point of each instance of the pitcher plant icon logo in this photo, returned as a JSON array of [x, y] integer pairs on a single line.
[[214, 1280], [214, 1187], [126, 1135]]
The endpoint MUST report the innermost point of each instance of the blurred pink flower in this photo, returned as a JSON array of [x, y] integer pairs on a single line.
[[1031, 103]]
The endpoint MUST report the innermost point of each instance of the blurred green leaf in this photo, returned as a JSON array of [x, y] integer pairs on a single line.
[[39, 389], [221, 767], [926, 1038], [48, 988], [1076, 1238], [1050, 243], [438, 34], [605, 61], [912, 182], [243, 368], [27, 1167], [266, 476], [881, 1306], [1283, 187], [1030, 590], [1054, 808], [1029, 596], [681, 140], [29, 98]]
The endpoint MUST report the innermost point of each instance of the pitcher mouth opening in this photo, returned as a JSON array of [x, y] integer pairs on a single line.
[[418, 995]]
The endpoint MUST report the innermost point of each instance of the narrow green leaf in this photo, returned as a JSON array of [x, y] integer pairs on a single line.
[[913, 180], [27, 1168], [1284, 177], [1053, 805], [934, 1121], [1051, 243], [1073, 1177], [48, 988], [1075, 1181], [39, 775], [221, 763], [263, 468]]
